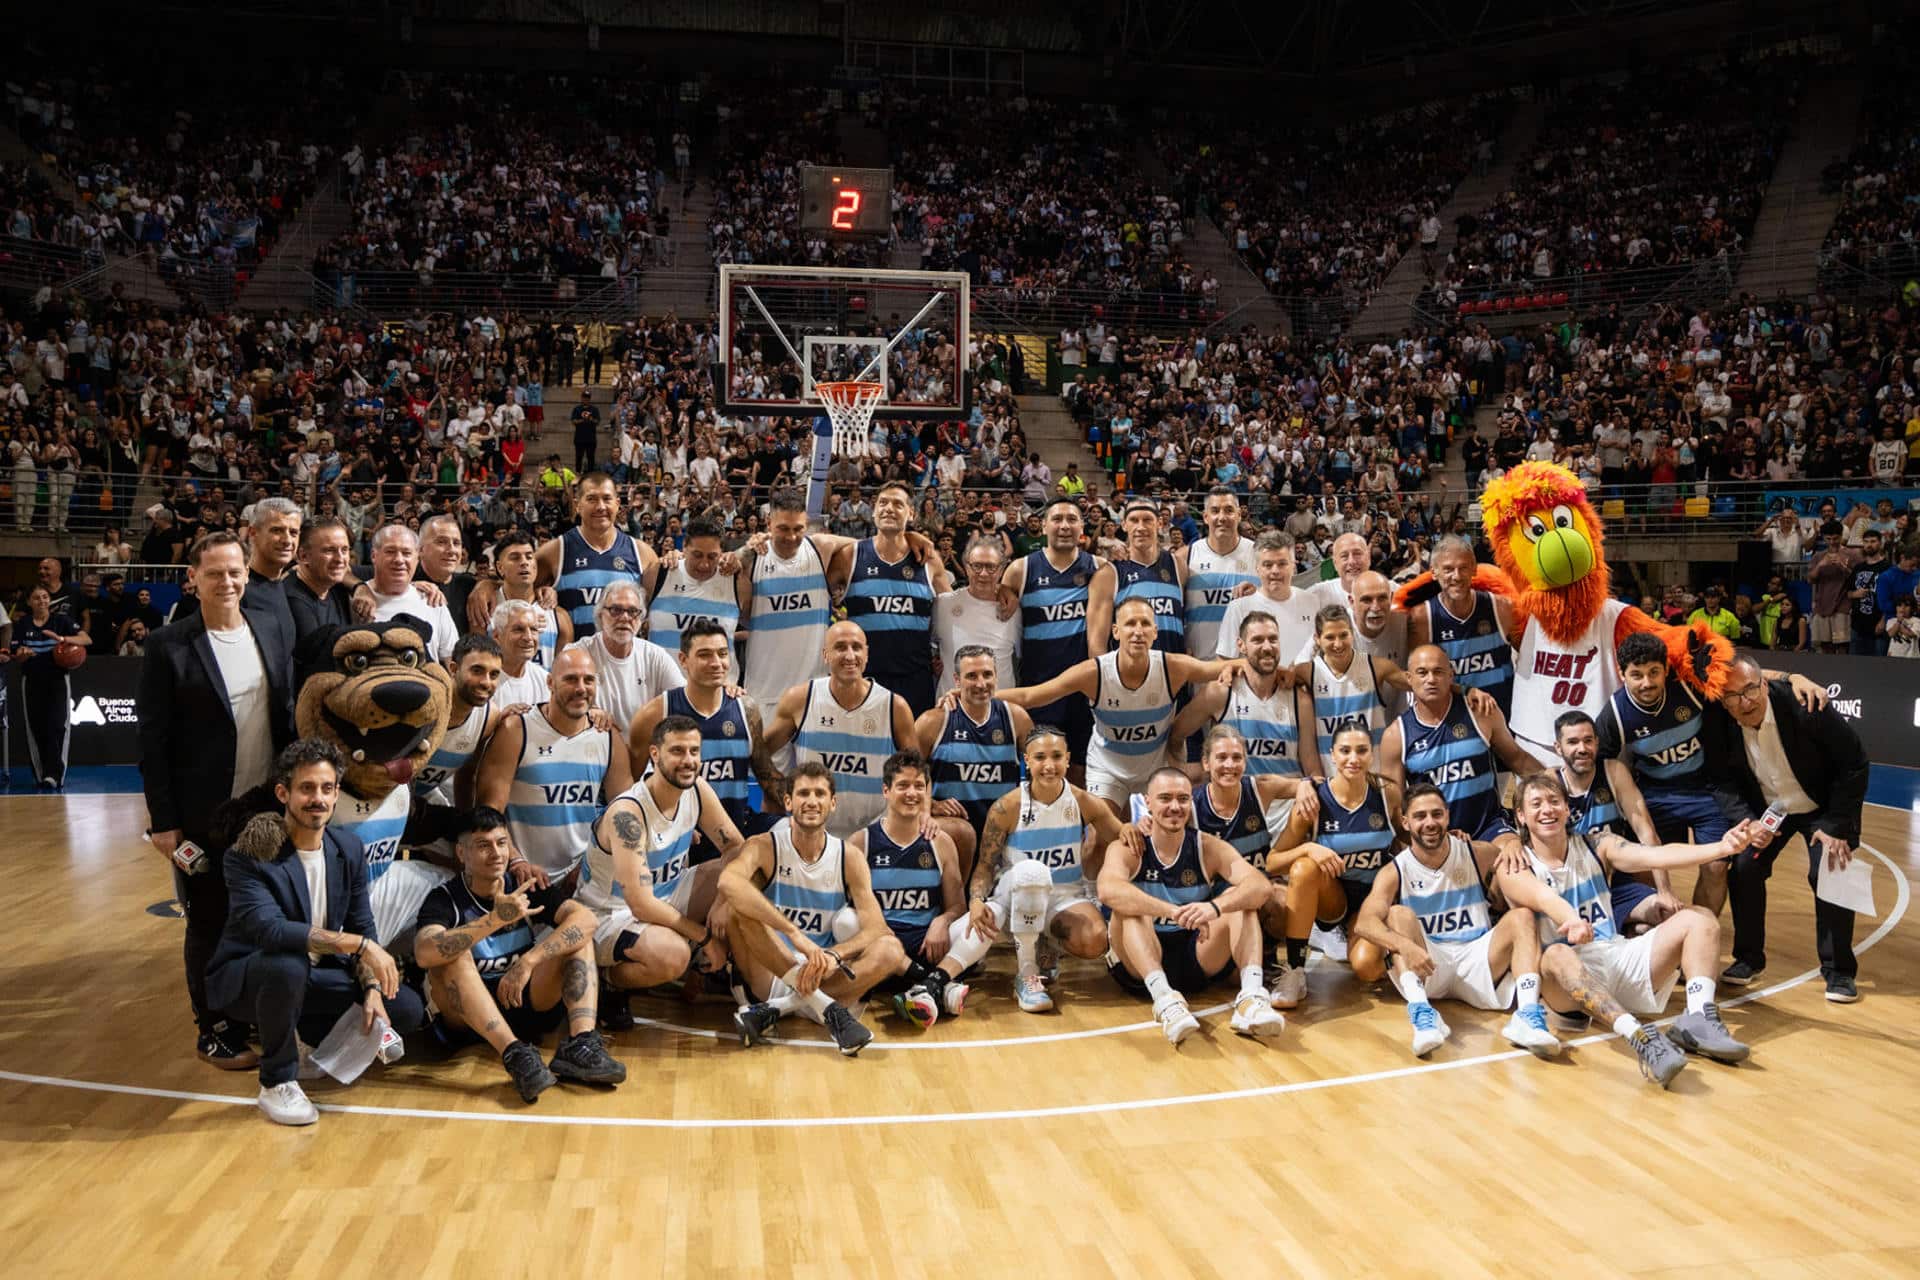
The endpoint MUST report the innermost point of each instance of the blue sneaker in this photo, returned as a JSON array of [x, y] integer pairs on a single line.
[[1430, 1031], [1528, 1029]]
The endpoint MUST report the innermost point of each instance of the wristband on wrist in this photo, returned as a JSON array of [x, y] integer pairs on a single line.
[[359, 949], [1217, 913]]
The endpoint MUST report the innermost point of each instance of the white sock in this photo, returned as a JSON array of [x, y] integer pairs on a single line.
[[1699, 994], [814, 1006], [1625, 1025], [1157, 985], [1253, 981], [1526, 991], [1411, 987], [781, 998]]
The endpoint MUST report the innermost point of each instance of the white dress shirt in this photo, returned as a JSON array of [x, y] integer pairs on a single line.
[[1770, 766]]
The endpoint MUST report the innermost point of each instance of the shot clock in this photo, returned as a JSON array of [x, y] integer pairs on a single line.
[[840, 201]]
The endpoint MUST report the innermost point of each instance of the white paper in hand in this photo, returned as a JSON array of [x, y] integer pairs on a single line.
[[1850, 887], [349, 1049]]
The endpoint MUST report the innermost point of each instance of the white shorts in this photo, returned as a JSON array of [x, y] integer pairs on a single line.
[[1464, 971], [1059, 898], [1623, 967], [610, 928], [1116, 788], [397, 896]]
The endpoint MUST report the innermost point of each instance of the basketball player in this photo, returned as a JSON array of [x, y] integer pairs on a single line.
[[1602, 796], [1590, 967], [787, 603], [1184, 912], [514, 560], [445, 779], [694, 588], [890, 594], [1291, 608], [1234, 806], [515, 627], [650, 904], [1445, 739], [487, 978], [1259, 705], [732, 739], [973, 749], [1066, 612], [805, 929], [1330, 854], [1131, 692], [583, 561], [1148, 573], [1034, 879], [846, 721], [1652, 723], [1339, 686], [1429, 912], [632, 673], [916, 872], [1217, 569], [1470, 626]]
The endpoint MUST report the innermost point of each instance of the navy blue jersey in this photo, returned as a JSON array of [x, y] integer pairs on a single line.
[[585, 573], [725, 748], [1053, 617], [976, 763], [41, 641], [893, 604], [1177, 883], [1475, 646], [1596, 809], [1362, 836], [906, 879], [452, 905], [1244, 826], [1455, 758], [1159, 585], [1661, 745]]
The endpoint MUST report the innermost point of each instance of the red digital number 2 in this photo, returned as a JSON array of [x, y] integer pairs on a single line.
[[845, 209]]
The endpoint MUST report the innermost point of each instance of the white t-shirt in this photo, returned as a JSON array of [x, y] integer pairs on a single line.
[[960, 619], [247, 693], [314, 863], [627, 684], [445, 633], [1294, 615], [529, 687]]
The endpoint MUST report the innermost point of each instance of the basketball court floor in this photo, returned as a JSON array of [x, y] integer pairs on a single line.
[[1077, 1143]]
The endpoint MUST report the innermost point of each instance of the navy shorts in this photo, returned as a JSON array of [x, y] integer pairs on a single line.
[[1627, 893], [1356, 891], [1675, 813], [1179, 960]]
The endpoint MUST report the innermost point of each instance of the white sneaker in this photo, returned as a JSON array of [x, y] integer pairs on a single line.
[[1528, 1029], [1253, 1015], [1289, 989], [1331, 943], [287, 1104], [1430, 1031], [1175, 1018]]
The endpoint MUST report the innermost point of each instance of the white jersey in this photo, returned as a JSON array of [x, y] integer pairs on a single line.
[[529, 688], [379, 824], [808, 894], [681, 598], [1451, 902], [627, 684], [669, 842], [1582, 881], [1212, 579], [1268, 725], [1130, 725], [791, 613], [556, 791], [1551, 678], [961, 618], [1294, 616], [1353, 698], [434, 781], [1051, 834], [854, 743]]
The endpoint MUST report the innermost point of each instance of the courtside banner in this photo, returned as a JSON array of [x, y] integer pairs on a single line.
[[1879, 697], [105, 723]]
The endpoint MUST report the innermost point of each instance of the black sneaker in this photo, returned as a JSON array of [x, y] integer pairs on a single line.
[[530, 1075], [754, 1022], [224, 1047], [583, 1058], [614, 1013], [1841, 988], [1740, 973], [847, 1031]]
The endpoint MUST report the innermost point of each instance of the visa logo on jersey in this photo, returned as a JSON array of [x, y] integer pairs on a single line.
[[382, 850], [1069, 612], [905, 899], [1473, 664], [978, 772], [788, 604], [1456, 921], [720, 770], [845, 762], [1678, 752], [1453, 771], [1134, 732], [569, 792], [1217, 595], [893, 604], [807, 920], [1267, 748]]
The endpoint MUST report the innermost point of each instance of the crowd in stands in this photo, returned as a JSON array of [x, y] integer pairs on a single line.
[[1878, 223], [763, 139]]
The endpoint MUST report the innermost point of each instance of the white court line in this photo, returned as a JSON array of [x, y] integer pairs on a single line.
[[1902, 896]]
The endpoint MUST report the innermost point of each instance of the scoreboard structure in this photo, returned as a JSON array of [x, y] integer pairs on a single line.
[[845, 202]]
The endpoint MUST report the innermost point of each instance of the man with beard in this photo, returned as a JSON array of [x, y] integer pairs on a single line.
[[890, 597], [632, 672]]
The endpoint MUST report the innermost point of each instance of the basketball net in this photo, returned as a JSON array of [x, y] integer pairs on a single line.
[[850, 407]]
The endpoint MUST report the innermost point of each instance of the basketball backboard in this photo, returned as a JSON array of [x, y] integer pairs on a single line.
[[785, 329]]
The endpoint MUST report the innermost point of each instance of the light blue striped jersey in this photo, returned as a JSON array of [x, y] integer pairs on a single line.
[[1360, 835], [434, 780], [788, 618], [585, 572], [1582, 881], [1159, 585], [1268, 725], [1179, 882], [1212, 580], [808, 894], [1451, 901], [1338, 700], [379, 824], [726, 748], [1051, 833], [669, 841], [1130, 724], [1244, 826], [852, 742], [558, 789]]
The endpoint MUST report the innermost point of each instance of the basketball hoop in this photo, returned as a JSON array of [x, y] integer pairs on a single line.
[[850, 405]]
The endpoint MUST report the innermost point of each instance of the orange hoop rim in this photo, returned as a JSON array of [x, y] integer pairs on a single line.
[[849, 393]]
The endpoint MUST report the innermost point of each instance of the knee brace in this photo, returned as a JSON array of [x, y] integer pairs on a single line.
[[1030, 888], [966, 946], [846, 923]]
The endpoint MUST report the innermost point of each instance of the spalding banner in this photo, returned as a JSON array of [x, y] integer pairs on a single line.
[[1879, 697]]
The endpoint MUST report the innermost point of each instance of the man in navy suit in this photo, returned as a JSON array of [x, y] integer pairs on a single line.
[[215, 702], [298, 950]]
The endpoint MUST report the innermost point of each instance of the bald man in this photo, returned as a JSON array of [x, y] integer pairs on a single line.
[[1351, 557], [1459, 748]]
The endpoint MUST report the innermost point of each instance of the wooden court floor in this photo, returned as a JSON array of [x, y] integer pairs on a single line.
[[999, 1143]]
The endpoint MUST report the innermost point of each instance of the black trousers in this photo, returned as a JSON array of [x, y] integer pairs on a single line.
[[44, 701], [287, 996], [592, 362], [583, 454], [204, 900], [1747, 895]]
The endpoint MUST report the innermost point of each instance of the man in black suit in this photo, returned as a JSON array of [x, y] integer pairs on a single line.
[[215, 703], [1763, 748], [298, 950]]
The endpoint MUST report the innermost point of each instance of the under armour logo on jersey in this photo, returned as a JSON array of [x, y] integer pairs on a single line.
[[1642, 731], [543, 751], [873, 571], [826, 722], [579, 562]]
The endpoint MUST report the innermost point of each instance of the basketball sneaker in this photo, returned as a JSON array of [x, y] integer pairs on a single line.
[[953, 996], [287, 1104], [1660, 1062], [1253, 1015], [530, 1075], [1430, 1030], [1031, 992], [1528, 1029], [1289, 988], [1703, 1033], [614, 1013], [1176, 1020], [847, 1031], [754, 1022], [917, 1005], [1331, 943], [584, 1059]]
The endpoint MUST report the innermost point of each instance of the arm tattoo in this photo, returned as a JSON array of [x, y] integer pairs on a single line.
[[450, 944], [761, 762], [993, 845], [629, 829], [324, 940]]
